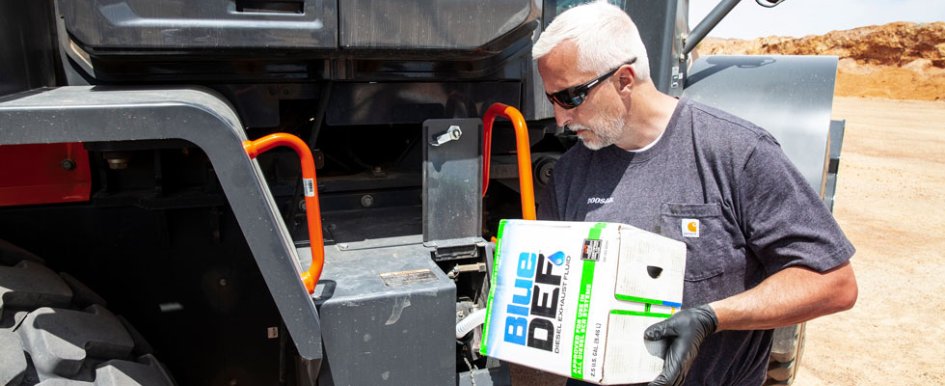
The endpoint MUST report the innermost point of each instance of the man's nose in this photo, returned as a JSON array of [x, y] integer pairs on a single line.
[[562, 115]]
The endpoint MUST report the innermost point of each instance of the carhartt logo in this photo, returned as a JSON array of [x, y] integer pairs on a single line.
[[690, 227], [599, 200]]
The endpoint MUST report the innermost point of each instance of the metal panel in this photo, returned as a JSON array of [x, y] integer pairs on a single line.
[[44, 174], [790, 96], [496, 376], [389, 316], [837, 129], [81, 113], [28, 53], [656, 20], [452, 180], [209, 24], [414, 102], [430, 24]]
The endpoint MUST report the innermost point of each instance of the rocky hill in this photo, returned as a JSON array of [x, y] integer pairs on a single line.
[[897, 60]]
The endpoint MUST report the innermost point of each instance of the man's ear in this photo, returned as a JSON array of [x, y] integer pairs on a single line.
[[627, 78]]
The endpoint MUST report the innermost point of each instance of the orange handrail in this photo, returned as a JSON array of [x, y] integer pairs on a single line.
[[312, 210], [523, 148]]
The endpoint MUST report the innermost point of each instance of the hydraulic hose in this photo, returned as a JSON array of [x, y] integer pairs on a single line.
[[470, 322], [312, 210]]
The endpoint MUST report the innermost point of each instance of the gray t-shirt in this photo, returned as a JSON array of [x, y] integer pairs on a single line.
[[724, 187]]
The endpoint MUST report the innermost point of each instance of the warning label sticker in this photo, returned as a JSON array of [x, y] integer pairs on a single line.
[[309, 187], [592, 250], [404, 278]]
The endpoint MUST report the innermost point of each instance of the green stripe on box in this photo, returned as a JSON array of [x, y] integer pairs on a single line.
[[596, 230], [580, 323], [628, 298], [640, 313], [484, 348], [584, 308], [501, 231]]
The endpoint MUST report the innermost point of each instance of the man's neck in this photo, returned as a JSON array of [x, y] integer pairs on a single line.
[[650, 113]]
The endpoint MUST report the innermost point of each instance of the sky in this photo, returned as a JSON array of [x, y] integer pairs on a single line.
[[813, 17]]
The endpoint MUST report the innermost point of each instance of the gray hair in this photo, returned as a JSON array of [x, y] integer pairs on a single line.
[[604, 34]]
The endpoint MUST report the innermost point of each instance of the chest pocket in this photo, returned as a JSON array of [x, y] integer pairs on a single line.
[[708, 242]]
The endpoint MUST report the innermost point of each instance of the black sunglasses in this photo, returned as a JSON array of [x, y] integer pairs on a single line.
[[572, 97]]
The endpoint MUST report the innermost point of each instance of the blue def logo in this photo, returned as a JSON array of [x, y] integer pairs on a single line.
[[531, 313], [556, 258]]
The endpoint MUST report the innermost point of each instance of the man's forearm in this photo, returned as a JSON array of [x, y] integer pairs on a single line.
[[790, 296]]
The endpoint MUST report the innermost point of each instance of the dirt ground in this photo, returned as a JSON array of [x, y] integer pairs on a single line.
[[891, 204], [918, 80]]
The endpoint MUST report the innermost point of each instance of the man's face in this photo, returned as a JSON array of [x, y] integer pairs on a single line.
[[603, 130], [598, 121]]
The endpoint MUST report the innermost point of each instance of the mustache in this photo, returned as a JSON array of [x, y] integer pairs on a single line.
[[575, 127]]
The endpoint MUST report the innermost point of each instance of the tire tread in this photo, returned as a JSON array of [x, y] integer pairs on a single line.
[[55, 331]]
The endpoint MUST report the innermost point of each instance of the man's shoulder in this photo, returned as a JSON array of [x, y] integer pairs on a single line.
[[716, 121], [722, 134]]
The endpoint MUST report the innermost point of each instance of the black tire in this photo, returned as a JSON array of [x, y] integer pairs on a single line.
[[786, 353], [56, 331]]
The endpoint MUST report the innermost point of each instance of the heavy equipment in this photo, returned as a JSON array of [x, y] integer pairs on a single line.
[[164, 154]]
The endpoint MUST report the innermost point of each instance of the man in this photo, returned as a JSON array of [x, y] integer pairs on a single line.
[[762, 250]]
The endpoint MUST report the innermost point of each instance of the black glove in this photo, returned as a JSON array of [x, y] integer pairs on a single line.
[[684, 332]]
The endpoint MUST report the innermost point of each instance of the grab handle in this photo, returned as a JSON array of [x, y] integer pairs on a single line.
[[523, 148], [312, 210]]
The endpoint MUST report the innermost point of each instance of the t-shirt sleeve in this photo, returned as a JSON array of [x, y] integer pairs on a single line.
[[785, 222]]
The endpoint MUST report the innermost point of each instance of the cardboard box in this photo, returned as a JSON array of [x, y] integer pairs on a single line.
[[573, 298]]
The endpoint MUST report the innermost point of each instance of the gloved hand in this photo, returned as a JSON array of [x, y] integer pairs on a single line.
[[684, 332]]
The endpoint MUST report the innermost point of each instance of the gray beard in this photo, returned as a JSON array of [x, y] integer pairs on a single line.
[[605, 134]]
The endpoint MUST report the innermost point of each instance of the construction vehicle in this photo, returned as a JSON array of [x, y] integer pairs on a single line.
[[159, 227]]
